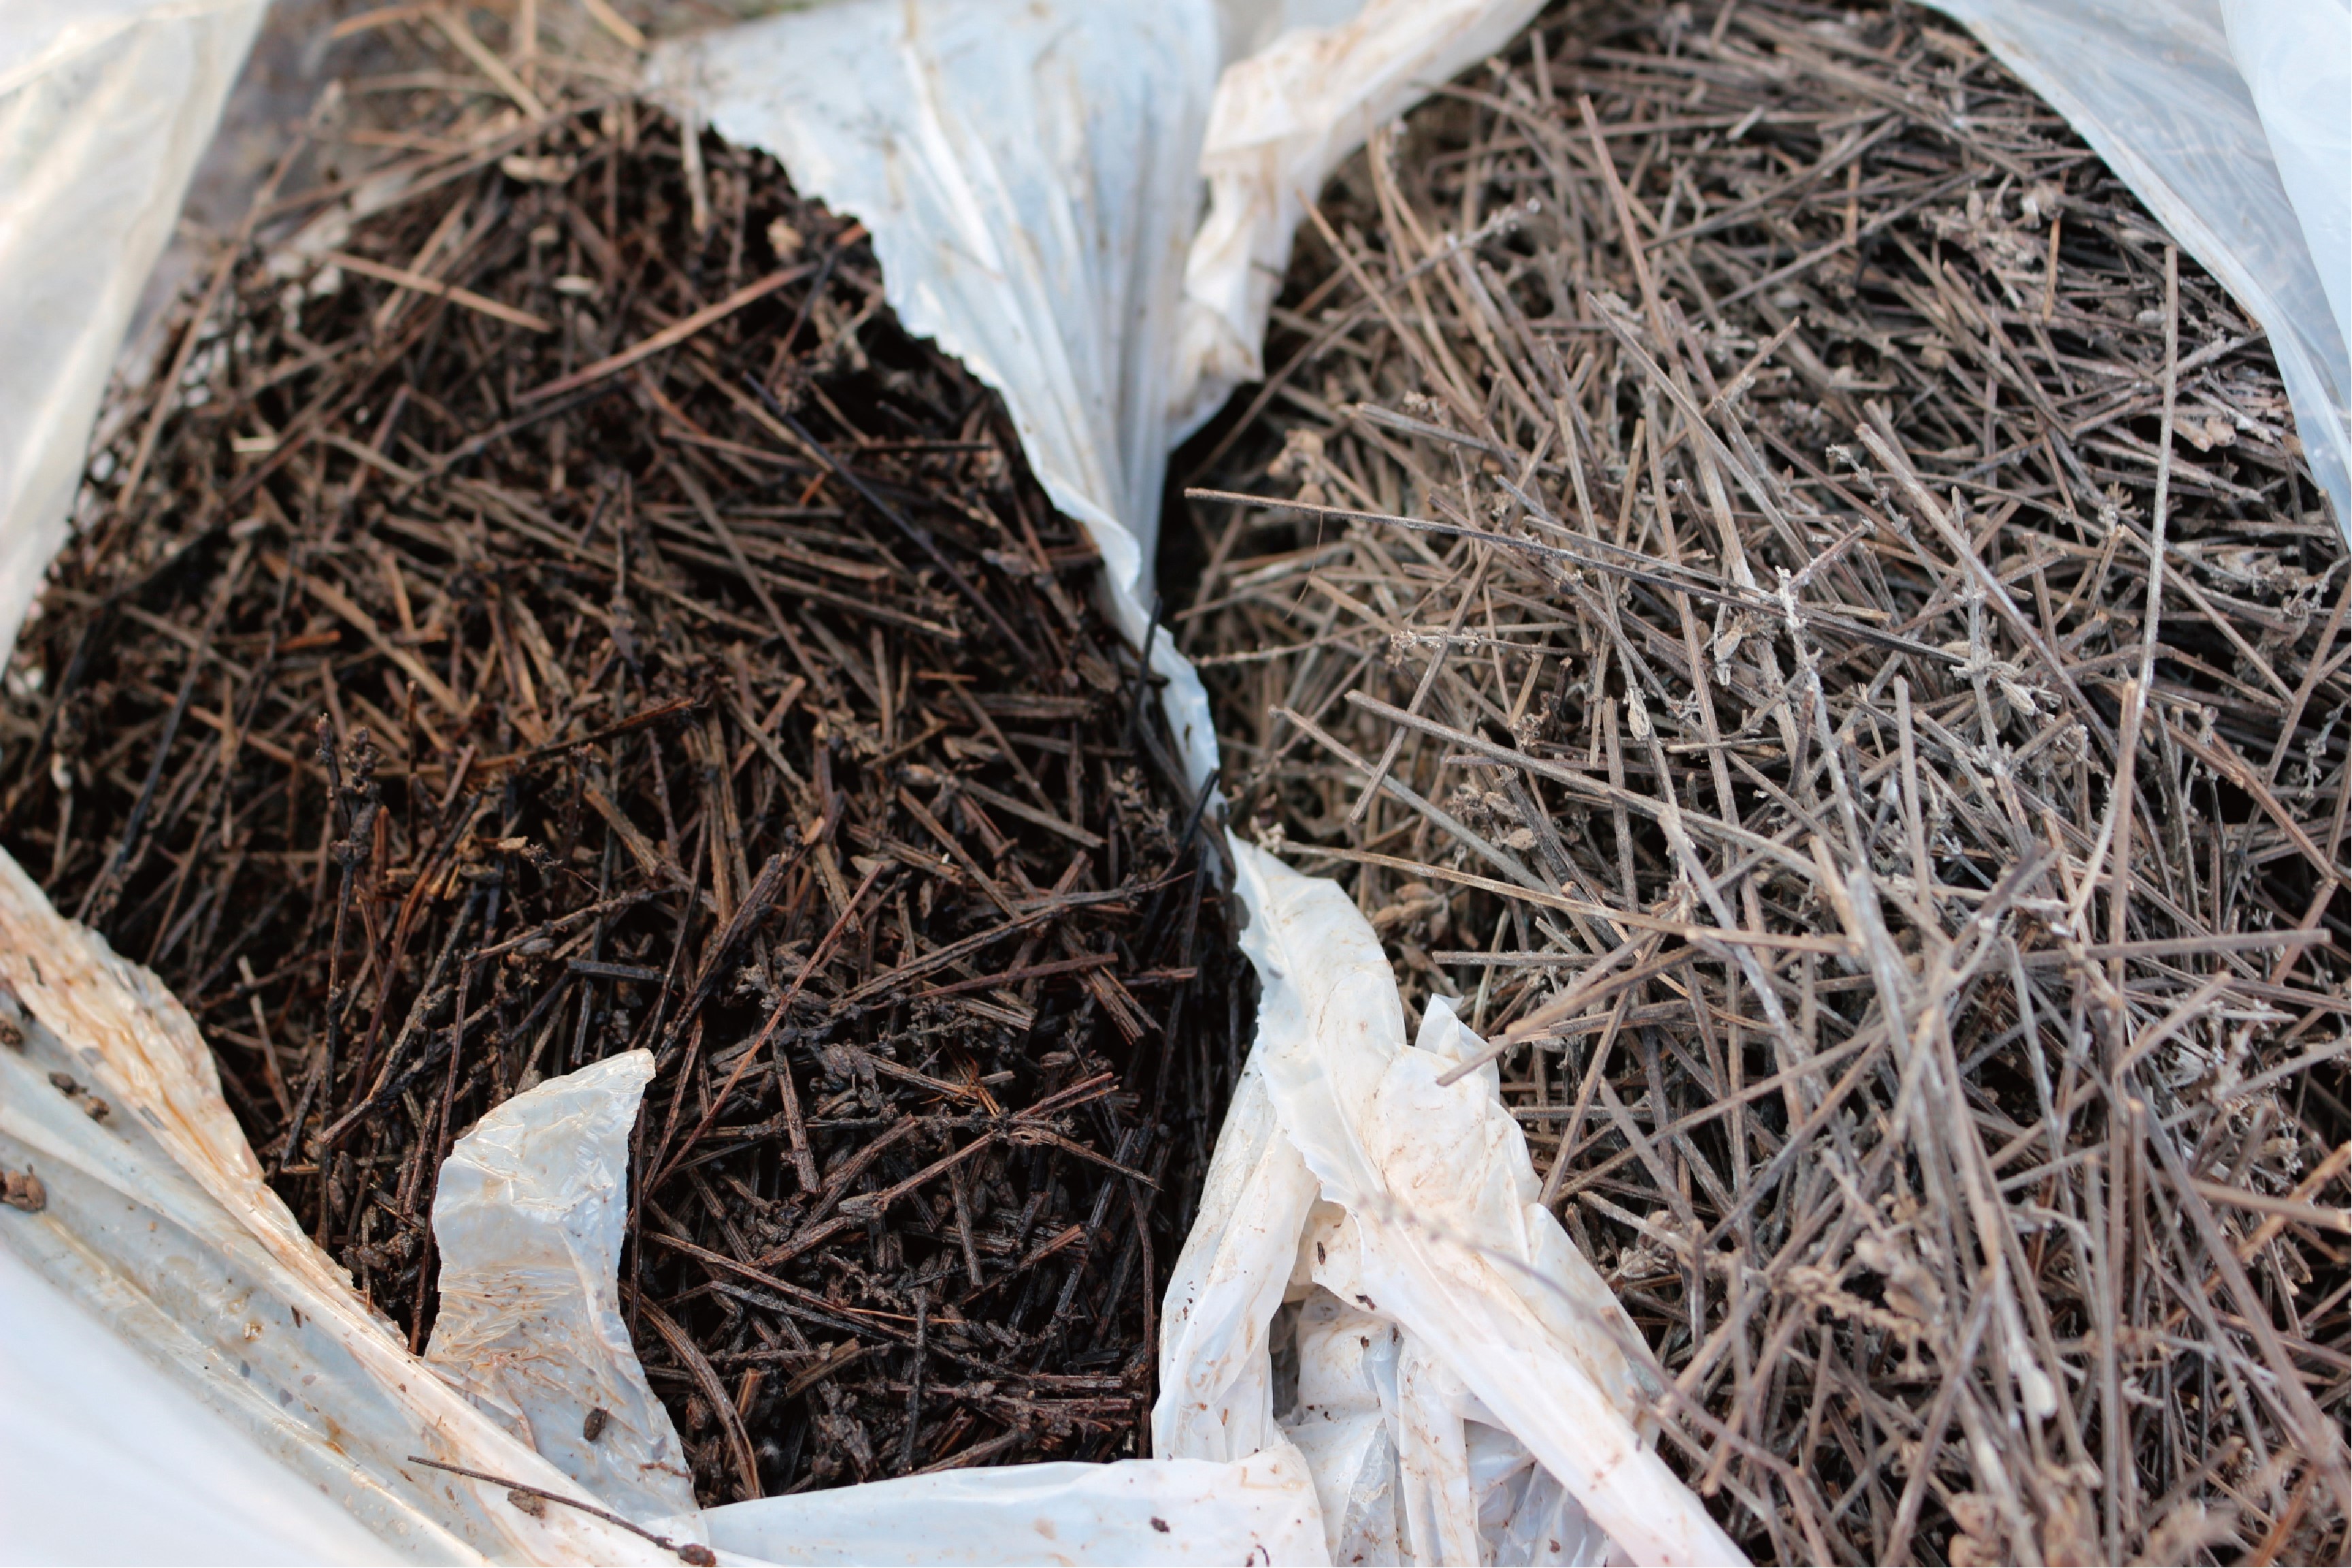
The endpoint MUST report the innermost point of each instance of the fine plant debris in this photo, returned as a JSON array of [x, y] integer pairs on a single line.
[[543, 606], [1784, 595]]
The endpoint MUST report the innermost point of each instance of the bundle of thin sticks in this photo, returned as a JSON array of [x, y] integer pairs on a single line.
[[549, 609], [1784, 595]]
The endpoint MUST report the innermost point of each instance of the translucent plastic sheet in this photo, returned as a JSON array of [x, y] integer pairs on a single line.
[[83, 1419], [1400, 1213], [105, 105], [1284, 118], [528, 1218], [158, 1223], [2296, 58], [1031, 172], [1137, 1511]]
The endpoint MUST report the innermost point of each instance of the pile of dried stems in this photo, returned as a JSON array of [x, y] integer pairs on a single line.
[[1809, 617], [544, 607]]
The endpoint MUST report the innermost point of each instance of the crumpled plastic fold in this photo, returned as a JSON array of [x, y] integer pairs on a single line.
[[1424, 1232], [1284, 119], [528, 1216]]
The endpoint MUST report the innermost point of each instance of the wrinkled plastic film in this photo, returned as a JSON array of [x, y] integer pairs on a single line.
[[85, 1420], [160, 1225], [1216, 1377], [1438, 1233], [2295, 57], [528, 1216], [118, 1278], [105, 107], [1282, 121], [1135, 1511]]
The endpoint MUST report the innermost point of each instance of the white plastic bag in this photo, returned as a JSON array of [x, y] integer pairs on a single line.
[[105, 105], [1135, 1511], [528, 1214], [1031, 172], [156, 1222]]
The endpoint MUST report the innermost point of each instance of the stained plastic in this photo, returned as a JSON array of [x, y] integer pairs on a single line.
[[528, 1216], [83, 1419]]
